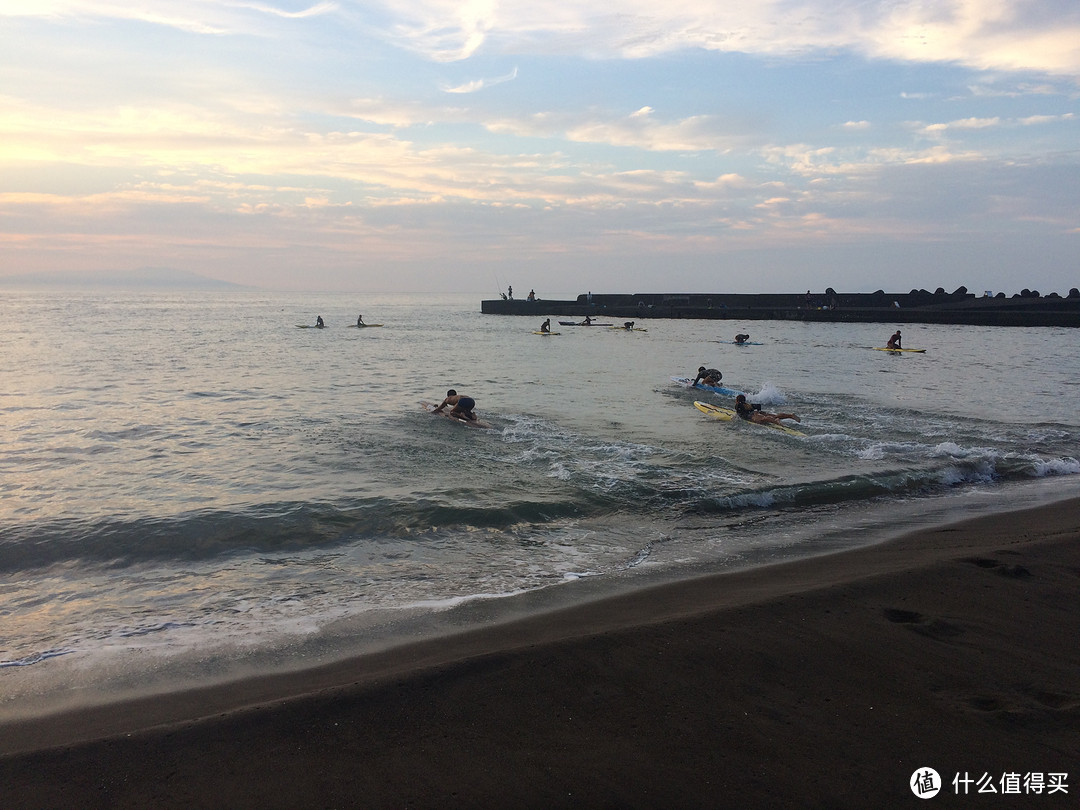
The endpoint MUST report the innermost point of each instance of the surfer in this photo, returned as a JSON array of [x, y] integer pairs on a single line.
[[462, 405], [894, 341], [628, 325], [587, 321], [753, 413], [360, 320], [545, 327], [741, 338], [708, 376], [319, 322]]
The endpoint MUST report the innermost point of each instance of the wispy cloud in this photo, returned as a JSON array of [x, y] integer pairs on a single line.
[[1036, 120], [480, 84], [206, 17], [996, 122], [641, 129], [312, 11], [1005, 34]]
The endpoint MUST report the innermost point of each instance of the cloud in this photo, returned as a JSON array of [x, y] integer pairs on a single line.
[[443, 30], [481, 84], [313, 11], [641, 129], [964, 123], [1007, 34], [992, 123], [1035, 120], [205, 17]]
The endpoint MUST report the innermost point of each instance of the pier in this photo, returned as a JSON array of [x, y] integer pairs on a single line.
[[918, 306]]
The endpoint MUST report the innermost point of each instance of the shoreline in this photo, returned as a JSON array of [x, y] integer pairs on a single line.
[[824, 680]]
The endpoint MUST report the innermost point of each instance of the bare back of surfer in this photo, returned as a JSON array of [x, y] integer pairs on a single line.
[[462, 406]]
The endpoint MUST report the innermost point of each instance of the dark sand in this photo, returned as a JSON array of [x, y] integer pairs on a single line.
[[820, 683]]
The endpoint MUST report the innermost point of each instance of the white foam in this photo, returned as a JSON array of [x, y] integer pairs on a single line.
[[1055, 466], [769, 395]]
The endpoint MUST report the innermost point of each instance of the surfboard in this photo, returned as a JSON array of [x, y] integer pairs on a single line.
[[746, 343], [364, 325], [687, 382], [887, 349], [728, 414], [547, 333], [309, 326], [574, 323], [716, 412], [624, 329], [477, 423]]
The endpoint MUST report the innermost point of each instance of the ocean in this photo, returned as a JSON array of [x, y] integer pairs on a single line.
[[192, 488]]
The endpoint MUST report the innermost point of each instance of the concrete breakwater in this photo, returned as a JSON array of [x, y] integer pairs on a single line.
[[918, 306]]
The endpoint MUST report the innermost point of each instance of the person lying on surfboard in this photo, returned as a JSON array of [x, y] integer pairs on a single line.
[[463, 406], [894, 341], [753, 413], [708, 376]]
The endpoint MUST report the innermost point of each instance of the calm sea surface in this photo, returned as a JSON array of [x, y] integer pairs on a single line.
[[191, 485]]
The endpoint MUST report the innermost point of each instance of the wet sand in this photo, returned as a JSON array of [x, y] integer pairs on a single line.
[[819, 683]]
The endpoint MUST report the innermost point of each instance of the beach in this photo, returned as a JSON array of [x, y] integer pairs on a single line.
[[824, 682]]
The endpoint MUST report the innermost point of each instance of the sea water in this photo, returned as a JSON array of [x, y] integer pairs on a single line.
[[192, 487]]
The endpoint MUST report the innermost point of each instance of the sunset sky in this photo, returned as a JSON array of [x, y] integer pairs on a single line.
[[622, 146]]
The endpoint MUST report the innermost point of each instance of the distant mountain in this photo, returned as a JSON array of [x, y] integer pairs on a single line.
[[154, 278]]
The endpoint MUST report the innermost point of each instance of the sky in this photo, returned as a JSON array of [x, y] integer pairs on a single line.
[[616, 146]]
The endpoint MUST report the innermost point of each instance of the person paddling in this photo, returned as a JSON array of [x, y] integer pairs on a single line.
[[708, 376], [462, 405], [753, 413]]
